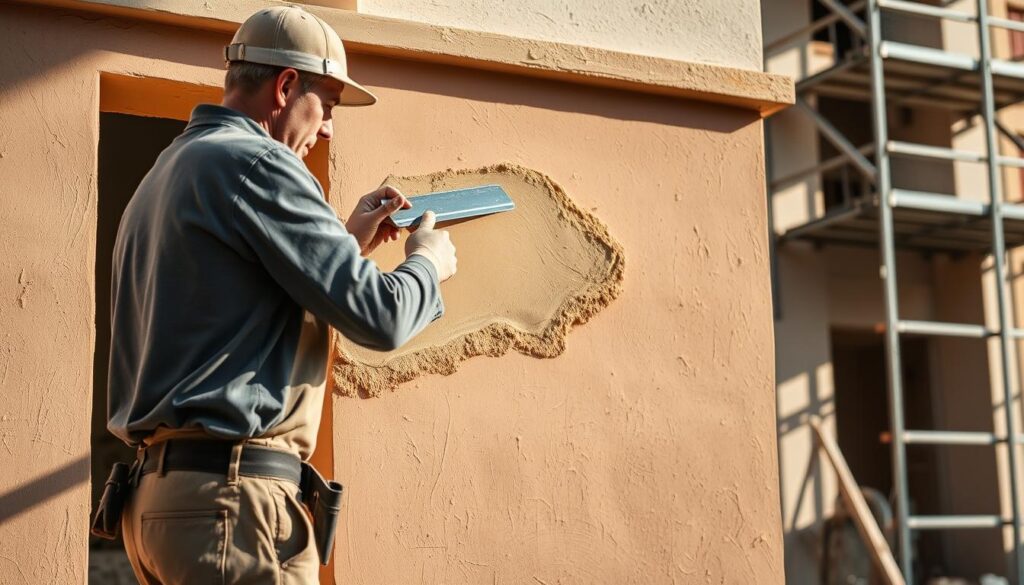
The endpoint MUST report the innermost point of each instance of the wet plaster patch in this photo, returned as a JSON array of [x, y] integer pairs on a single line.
[[525, 278]]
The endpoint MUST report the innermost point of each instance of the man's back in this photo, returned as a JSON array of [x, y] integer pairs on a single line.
[[224, 238], [228, 267]]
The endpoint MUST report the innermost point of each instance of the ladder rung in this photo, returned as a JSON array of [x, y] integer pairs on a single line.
[[926, 10], [1013, 210], [947, 329], [954, 522], [1011, 161], [950, 438], [928, 56], [928, 151], [1006, 23], [1008, 68], [925, 201]]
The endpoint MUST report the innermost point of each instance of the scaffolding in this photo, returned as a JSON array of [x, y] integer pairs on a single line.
[[882, 72]]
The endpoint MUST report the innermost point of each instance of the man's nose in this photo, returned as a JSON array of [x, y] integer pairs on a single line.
[[326, 130]]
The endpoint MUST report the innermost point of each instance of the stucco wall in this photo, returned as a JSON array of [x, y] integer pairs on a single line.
[[725, 32], [48, 145], [646, 452]]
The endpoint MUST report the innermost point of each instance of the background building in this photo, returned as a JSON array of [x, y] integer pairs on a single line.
[[880, 191]]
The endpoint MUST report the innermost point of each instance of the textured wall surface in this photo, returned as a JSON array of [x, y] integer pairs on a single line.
[[644, 453], [49, 125], [725, 32]]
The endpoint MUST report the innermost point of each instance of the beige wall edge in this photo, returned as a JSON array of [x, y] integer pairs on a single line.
[[765, 93]]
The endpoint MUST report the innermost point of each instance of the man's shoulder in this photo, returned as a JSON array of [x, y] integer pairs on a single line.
[[228, 147], [248, 154]]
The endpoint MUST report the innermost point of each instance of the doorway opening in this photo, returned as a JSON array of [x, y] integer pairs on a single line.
[[862, 421], [128, 148]]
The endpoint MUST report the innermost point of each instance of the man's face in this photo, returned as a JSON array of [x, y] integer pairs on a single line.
[[306, 116]]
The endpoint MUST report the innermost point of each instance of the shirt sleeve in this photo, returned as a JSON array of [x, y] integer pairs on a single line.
[[281, 214]]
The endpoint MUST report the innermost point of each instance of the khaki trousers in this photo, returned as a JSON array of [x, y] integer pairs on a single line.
[[197, 528]]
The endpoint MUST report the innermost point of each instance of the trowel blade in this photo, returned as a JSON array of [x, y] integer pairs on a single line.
[[455, 204]]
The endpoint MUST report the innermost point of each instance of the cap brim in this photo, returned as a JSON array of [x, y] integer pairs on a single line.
[[354, 94]]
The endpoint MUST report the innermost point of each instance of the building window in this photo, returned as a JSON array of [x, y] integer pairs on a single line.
[[837, 34], [1016, 37]]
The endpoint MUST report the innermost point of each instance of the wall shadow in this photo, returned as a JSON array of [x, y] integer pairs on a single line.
[[50, 29], [563, 96], [43, 488]]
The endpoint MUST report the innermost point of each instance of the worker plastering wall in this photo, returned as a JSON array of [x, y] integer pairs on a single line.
[[643, 452], [523, 296]]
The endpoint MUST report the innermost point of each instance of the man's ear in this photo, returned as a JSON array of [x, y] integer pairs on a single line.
[[287, 81]]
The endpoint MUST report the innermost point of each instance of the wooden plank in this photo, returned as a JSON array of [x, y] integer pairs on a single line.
[[881, 554]]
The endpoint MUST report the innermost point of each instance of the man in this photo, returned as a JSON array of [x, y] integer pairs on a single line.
[[228, 268]]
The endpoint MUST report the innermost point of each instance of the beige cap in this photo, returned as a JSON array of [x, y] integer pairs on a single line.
[[288, 36]]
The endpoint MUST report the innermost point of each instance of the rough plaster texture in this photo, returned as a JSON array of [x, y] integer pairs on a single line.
[[525, 278], [727, 32], [49, 114], [645, 452]]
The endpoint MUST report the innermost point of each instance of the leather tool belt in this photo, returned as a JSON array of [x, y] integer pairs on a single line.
[[321, 497]]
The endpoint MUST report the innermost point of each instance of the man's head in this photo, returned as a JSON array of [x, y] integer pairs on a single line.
[[294, 106], [287, 70]]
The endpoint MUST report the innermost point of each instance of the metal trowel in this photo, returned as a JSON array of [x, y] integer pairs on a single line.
[[454, 204]]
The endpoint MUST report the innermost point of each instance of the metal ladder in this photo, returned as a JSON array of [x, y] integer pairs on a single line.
[[888, 199], [869, 30]]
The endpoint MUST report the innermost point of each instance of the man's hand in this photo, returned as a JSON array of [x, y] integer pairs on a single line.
[[434, 245], [367, 220]]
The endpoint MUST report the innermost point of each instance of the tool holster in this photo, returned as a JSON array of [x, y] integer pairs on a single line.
[[323, 499], [106, 522]]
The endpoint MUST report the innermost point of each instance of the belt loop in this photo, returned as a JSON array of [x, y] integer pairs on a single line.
[[140, 461], [160, 468], [236, 462]]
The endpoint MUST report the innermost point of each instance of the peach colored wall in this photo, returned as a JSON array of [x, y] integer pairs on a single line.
[[645, 453], [49, 116]]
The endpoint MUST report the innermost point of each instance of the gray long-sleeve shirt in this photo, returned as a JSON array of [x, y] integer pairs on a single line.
[[228, 261]]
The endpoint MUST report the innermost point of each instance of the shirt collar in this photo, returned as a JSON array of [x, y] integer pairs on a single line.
[[212, 114]]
